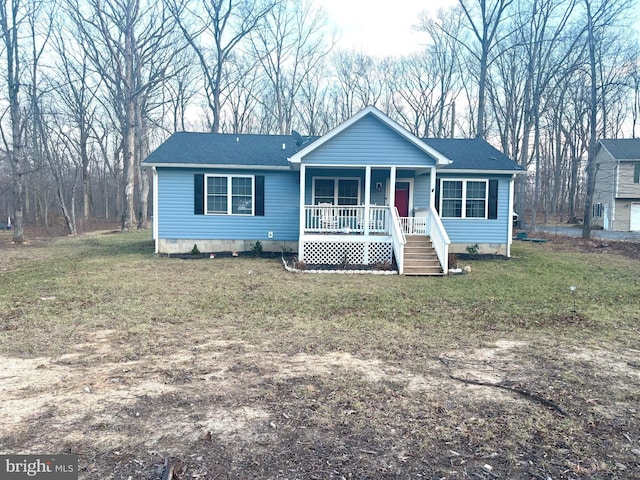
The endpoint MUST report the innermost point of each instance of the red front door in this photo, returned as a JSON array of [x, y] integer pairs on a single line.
[[402, 198]]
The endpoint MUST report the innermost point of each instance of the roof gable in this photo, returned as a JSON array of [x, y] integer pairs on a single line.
[[385, 120]]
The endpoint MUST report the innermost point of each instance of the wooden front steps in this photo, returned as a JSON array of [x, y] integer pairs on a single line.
[[420, 257]]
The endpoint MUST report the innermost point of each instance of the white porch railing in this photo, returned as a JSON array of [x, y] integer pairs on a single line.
[[414, 225], [339, 219], [345, 219]]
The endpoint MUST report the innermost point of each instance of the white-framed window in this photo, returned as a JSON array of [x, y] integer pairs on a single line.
[[597, 210], [464, 198], [229, 194], [336, 191]]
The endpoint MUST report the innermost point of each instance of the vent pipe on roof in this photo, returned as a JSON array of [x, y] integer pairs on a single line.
[[284, 146], [237, 139]]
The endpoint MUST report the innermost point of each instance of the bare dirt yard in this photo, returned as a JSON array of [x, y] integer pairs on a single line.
[[158, 368]]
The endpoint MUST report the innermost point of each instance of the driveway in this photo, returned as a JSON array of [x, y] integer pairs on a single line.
[[595, 234]]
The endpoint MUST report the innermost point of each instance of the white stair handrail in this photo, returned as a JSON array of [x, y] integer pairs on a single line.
[[398, 238], [439, 238]]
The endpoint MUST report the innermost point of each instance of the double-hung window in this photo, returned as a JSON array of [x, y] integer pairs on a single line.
[[336, 191], [229, 195], [464, 198]]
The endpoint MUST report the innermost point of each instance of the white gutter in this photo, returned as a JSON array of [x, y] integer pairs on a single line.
[[210, 166], [480, 172]]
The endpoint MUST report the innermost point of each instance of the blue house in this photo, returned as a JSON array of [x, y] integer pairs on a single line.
[[368, 191]]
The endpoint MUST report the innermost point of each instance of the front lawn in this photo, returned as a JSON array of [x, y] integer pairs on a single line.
[[234, 368]]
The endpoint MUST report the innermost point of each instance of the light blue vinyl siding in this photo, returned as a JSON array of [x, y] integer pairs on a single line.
[[471, 230], [177, 220], [378, 197], [368, 142], [421, 191]]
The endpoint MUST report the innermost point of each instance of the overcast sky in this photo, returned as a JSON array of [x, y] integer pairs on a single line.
[[379, 27]]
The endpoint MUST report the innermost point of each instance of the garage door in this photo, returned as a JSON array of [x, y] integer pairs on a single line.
[[635, 217]]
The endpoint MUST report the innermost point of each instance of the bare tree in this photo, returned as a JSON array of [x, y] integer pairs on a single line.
[[245, 89], [423, 94], [13, 18], [484, 19], [635, 106], [541, 32], [178, 93], [76, 99], [215, 29], [444, 59], [360, 79], [505, 91], [289, 48], [313, 98], [64, 164], [129, 44]]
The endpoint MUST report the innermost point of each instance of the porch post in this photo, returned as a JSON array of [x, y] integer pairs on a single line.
[[367, 209], [367, 198], [432, 188], [303, 213], [392, 187]]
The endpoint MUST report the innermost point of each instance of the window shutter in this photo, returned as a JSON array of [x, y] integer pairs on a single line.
[[198, 194], [636, 173], [493, 199], [437, 205], [259, 193]]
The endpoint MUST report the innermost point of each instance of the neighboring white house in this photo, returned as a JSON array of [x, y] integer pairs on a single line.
[[616, 199]]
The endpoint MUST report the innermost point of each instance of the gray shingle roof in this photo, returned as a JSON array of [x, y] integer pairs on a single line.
[[623, 148], [224, 149], [187, 148], [472, 154]]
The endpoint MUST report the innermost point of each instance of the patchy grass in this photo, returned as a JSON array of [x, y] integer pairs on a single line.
[[235, 368]]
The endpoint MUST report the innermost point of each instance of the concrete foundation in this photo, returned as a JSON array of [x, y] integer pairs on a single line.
[[170, 246], [483, 248]]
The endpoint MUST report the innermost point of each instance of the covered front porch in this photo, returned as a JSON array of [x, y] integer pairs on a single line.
[[365, 187], [369, 215]]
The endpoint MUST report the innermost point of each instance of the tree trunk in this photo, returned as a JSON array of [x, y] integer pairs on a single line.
[[482, 86], [86, 181], [10, 26], [18, 202], [536, 188], [142, 150], [129, 131], [573, 187], [593, 106]]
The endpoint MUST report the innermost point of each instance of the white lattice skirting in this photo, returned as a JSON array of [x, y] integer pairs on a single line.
[[355, 253]]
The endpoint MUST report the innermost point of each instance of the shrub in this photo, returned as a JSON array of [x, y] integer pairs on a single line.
[[384, 265], [256, 249], [473, 249], [194, 250]]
